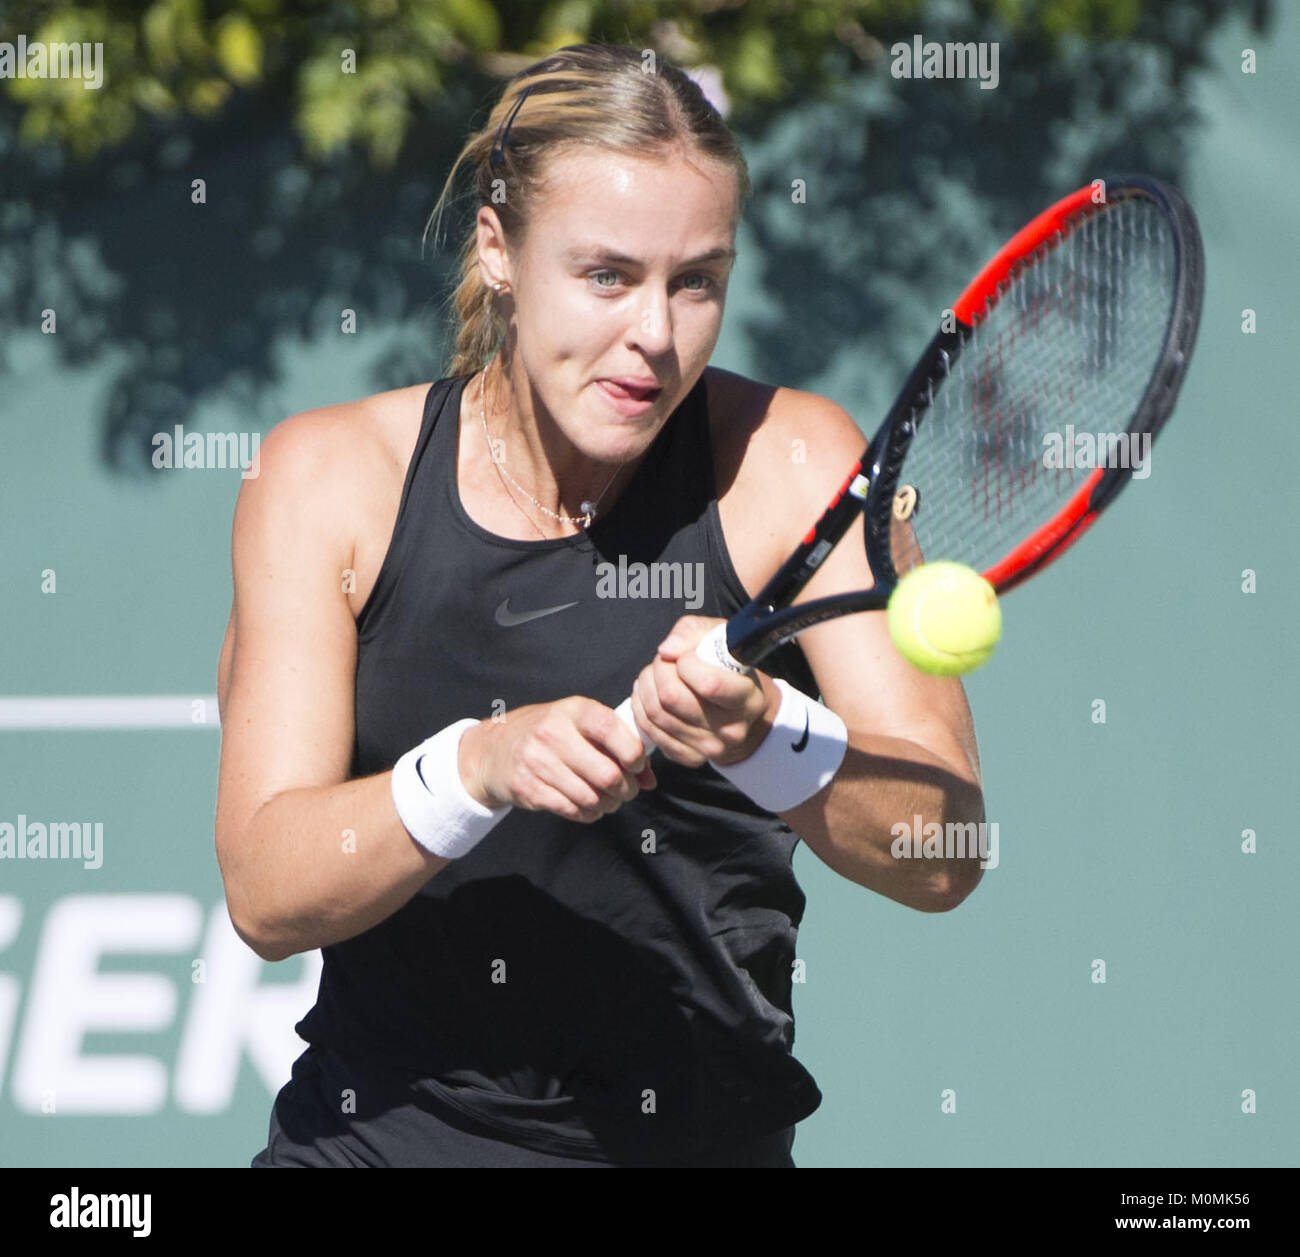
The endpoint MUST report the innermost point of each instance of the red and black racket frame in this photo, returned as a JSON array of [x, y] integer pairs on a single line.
[[768, 620]]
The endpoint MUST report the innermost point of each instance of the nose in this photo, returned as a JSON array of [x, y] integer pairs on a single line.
[[652, 331]]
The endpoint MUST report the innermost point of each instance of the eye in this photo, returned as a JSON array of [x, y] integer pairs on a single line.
[[595, 276], [708, 281]]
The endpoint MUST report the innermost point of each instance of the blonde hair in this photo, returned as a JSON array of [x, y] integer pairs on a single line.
[[587, 95]]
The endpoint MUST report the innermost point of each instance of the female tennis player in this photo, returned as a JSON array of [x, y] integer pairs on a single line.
[[542, 946]]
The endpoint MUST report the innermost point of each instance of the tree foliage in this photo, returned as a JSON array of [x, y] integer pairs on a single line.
[[318, 181], [361, 71]]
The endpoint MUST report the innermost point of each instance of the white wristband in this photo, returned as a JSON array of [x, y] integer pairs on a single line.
[[437, 810], [801, 753]]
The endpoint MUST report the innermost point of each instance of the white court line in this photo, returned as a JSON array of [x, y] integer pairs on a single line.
[[109, 711]]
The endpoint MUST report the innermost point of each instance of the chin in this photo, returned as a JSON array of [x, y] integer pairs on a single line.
[[624, 436], [633, 444]]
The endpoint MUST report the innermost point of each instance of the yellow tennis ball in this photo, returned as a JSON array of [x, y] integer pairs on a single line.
[[944, 618]]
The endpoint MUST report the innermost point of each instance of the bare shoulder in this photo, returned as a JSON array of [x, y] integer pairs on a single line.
[[341, 466], [351, 440], [766, 431], [389, 424], [779, 454]]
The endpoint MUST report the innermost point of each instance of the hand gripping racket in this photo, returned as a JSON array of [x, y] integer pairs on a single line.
[[1030, 409]]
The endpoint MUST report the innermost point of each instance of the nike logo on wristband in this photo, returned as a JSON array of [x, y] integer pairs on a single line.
[[796, 747], [508, 619]]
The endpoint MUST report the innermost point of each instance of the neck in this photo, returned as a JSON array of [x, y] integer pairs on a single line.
[[536, 453]]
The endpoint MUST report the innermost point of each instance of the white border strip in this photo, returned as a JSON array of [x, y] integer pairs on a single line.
[[160, 711]]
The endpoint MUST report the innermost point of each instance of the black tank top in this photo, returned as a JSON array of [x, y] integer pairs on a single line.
[[583, 988]]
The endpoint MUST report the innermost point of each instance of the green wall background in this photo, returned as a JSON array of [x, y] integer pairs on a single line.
[[1119, 841]]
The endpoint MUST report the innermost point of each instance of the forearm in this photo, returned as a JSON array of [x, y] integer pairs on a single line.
[[318, 865], [882, 784]]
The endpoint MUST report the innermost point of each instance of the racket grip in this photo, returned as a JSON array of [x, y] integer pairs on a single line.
[[712, 648], [624, 712]]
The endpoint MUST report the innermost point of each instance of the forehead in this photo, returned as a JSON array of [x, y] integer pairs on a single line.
[[636, 205]]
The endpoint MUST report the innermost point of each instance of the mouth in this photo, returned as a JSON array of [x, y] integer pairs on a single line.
[[630, 390]]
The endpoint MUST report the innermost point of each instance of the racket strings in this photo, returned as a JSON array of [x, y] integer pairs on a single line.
[[1044, 389]]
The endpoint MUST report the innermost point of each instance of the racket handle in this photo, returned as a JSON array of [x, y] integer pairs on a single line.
[[712, 648], [624, 712]]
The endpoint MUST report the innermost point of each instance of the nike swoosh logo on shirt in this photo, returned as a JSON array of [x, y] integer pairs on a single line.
[[508, 619], [797, 747]]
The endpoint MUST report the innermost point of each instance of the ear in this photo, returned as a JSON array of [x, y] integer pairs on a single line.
[[493, 256]]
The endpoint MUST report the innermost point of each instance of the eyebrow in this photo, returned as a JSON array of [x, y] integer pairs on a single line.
[[596, 252]]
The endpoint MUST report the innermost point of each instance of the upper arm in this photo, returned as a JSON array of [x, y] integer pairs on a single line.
[[287, 668], [859, 672]]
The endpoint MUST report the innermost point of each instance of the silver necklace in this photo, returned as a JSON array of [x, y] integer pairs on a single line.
[[588, 508]]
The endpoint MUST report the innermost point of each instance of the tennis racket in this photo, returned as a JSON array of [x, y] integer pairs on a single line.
[[1082, 323]]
